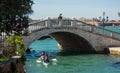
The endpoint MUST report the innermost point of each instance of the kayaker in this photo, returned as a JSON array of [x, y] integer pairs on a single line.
[[46, 59], [42, 54]]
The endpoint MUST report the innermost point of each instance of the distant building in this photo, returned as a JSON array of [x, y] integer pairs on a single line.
[[97, 23], [116, 23], [89, 21]]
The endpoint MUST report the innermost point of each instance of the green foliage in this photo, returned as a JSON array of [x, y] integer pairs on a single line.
[[21, 50], [14, 14], [10, 39], [20, 45], [3, 58], [10, 46], [17, 41]]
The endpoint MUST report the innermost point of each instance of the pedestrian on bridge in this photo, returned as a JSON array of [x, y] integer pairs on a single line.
[[60, 19], [60, 16]]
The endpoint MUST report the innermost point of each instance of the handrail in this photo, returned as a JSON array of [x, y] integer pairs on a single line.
[[98, 27]]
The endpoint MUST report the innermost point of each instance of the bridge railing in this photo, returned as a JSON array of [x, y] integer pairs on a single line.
[[95, 29], [100, 30], [72, 23]]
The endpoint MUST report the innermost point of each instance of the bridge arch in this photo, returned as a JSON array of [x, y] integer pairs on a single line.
[[71, 42], [95, 38], [69, 39]]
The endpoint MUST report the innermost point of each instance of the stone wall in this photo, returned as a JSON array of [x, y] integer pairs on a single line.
[[12, 66]]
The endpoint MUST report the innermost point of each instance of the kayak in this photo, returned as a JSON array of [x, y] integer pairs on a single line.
[[39, 60], [54, 60]]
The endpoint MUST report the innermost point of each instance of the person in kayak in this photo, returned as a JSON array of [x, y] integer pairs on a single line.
[[42, 54], [46, 59]]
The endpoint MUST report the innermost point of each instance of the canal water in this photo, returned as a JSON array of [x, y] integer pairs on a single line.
[[87, 63]]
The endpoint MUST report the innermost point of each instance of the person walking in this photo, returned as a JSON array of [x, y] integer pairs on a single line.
[[60, 17]]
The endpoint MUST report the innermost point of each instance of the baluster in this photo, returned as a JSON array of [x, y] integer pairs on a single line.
[[33, 27], [30, 28], [73, 22], [92, 28], [47, 23], [112, 34], [60, 21], [38, 26]]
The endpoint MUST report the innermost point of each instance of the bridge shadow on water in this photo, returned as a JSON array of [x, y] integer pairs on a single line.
[[73, 47], [73, 53], [69, 52]]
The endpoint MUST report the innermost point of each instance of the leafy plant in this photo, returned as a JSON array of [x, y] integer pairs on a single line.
[[14, 14], [20, 45], [10, 46], [15, 44], [3, 58]]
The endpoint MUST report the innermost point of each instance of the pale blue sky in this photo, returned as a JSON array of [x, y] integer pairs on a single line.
[[75, 8]]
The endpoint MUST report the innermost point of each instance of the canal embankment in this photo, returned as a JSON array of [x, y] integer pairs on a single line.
[[14, 65], [114, 50], [12, 55]]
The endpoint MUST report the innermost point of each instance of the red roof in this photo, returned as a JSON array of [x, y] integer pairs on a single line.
[[111, 23]]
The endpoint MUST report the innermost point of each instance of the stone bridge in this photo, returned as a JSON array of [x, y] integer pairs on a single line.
[[73, 35]]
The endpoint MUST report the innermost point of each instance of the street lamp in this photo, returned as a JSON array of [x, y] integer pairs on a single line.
[[103, 17]]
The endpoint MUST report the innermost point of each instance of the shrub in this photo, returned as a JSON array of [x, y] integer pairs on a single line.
[[3, 58]]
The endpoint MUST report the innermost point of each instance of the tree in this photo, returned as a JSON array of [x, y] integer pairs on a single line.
[[14, 44], [14, 14]]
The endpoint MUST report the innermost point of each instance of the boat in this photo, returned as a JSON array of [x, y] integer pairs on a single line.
[[39, 60], [54, 60]]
